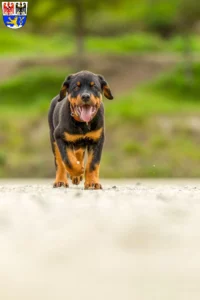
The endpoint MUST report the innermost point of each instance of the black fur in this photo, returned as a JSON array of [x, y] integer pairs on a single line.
[[85, 78], [61, 121]]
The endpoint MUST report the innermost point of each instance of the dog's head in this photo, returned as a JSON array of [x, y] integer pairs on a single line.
[[84, 92]]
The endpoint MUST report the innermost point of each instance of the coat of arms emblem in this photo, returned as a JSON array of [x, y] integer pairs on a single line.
[[14, 14]]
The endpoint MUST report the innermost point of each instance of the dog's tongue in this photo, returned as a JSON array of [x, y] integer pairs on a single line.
[[86, 113]]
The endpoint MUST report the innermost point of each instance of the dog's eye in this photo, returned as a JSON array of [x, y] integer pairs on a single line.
[[76, 88]]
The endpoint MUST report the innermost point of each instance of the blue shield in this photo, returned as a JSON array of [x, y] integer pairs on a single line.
[[14, 14]]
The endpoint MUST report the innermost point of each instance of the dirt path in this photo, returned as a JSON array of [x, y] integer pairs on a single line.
[[8, 68], [133, 240], [124, 71]]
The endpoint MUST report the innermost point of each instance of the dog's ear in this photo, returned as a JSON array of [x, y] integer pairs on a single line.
[[105, 88], [64, 89]]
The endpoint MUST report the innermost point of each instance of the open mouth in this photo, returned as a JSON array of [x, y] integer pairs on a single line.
[[85, 112]]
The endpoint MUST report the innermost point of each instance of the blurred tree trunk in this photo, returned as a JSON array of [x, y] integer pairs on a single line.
[[80, 33]]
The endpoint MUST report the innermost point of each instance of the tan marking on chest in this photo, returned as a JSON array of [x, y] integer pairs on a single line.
[[93, 135]]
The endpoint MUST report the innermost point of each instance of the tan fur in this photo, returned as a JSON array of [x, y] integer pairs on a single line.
[[79, 154], [76, 169], [106, 90], [92, 177], [94, 135], [61, 174]]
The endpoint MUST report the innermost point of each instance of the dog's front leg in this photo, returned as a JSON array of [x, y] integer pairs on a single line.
[[93, 165], [73, 167]]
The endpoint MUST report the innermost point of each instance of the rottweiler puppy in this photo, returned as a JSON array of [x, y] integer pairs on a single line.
[[76, 122]]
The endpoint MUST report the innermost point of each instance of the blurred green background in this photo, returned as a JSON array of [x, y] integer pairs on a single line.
[[148, 51]]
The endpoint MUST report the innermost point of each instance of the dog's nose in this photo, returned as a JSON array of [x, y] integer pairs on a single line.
[[85, 97]]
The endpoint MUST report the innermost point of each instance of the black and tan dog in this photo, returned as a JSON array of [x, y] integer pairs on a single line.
[[76, 121]]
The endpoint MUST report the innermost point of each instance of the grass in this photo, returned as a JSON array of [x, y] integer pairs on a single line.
[[144, 103], [132, 148], [34, 88], [169, 94], [178, 85], [139, 43], [20, 43]]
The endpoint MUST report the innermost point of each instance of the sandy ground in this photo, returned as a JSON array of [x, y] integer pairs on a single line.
[[133, 240]]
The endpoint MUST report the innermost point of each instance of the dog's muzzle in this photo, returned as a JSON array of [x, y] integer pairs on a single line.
[[85, 112]]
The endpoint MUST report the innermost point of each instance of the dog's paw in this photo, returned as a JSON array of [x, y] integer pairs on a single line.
[[58, 184], [93, 186], [76, 179]]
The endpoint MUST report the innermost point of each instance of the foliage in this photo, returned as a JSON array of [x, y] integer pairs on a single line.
[[32, 88], [176, 85], [33, 45], [163, 95], [17, 43], [163, 17]]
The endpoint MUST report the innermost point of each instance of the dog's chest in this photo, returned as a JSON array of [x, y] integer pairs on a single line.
[[83, 137]]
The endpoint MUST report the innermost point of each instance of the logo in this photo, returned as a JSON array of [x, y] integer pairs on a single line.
[[14, 14]]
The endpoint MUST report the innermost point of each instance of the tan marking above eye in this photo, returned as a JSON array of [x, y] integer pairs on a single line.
[[78, 83], [92, 83]]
